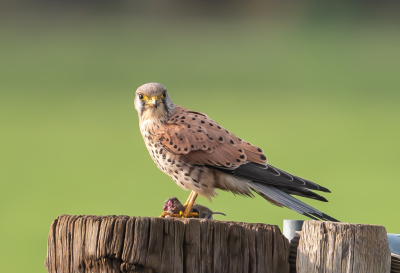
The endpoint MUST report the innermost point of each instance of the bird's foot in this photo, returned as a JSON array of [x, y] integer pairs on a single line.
[[180, 215], [167, 215], [190, 215]]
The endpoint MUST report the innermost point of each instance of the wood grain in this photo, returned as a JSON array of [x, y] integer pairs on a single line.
[[395, 264], [119, 244], [342, 248]]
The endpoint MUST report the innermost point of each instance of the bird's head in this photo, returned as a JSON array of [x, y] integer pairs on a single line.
[[152, 101], [173, 205]]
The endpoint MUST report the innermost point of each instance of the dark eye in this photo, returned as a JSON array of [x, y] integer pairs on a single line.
[[141, 96], [163, 95]]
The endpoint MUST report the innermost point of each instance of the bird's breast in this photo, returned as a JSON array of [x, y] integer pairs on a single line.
[[185, 175]]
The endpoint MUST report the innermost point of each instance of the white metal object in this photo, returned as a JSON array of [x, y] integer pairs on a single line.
[[290, 227], [394, 243]]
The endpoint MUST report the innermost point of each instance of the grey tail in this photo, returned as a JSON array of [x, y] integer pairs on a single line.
[[278, 196], [303, 193]]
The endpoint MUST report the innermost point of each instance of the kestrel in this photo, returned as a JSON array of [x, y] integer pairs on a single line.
[[173, 207], [200, 155]]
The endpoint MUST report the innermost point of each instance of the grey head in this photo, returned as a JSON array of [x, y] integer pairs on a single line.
[[153, 101]]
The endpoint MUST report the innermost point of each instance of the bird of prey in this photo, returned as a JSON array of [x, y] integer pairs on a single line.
[[200, 155], [173, 207]]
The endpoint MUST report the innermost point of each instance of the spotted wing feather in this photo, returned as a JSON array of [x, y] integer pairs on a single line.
[[200, 140]]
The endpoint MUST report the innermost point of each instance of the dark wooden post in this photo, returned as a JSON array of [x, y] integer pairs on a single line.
[[117, 244], [395, 265], [342, 248]]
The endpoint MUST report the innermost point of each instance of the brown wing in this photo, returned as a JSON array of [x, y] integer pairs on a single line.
[[200, 140]]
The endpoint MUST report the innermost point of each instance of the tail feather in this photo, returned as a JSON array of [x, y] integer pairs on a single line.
[[283, 198], [303, 193], [273, 176]]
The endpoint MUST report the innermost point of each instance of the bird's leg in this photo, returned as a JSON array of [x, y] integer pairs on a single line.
[[189, 198], [188, 206]]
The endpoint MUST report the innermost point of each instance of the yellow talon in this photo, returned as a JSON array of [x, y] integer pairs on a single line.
[[163, 214], [187, 211], [193, 214], [166, 214]]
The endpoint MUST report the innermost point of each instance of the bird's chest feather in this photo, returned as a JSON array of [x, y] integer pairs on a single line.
[[165, 160], [185, 175], [155, 148]]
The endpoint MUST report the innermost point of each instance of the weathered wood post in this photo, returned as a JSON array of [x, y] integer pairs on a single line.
[[342, 247], [118, 244], [395, 266]]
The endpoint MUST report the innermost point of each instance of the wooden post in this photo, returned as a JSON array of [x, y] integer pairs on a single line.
[[342, 247], [118, 244], [395, 265]]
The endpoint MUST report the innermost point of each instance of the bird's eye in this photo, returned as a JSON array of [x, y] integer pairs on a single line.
[[141, 96], [163, 95]]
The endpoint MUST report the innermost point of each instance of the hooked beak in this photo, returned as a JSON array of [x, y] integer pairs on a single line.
[[153, 102]]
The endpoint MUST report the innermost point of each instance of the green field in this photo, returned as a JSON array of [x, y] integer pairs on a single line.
[[321, 100]]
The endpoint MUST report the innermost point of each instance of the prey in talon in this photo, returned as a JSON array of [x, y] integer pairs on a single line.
[[174, 208]]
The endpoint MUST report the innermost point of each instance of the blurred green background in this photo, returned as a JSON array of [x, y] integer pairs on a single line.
[[317, 87]]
